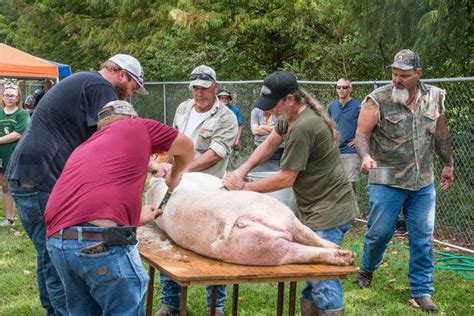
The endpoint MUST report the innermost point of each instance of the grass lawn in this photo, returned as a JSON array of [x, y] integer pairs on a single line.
[[388, 295]]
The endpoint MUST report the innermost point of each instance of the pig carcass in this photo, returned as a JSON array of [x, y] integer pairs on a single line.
[[240, 227]]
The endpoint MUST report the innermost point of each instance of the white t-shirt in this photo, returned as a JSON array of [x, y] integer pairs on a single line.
[[194, 120]]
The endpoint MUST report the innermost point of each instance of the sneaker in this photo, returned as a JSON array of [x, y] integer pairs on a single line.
[[364, 279], [167, 311], [7, 222], [426, 304], [219, 312], [401, 230]]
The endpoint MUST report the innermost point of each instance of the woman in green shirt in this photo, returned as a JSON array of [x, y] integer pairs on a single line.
[[13, 122]]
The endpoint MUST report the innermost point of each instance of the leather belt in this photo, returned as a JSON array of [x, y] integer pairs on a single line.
[[113, 235], [86, 235]]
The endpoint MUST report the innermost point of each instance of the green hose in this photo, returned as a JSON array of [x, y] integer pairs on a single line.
[[463, 265]]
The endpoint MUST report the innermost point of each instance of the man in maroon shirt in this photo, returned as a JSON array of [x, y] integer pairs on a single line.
[[95, 206]]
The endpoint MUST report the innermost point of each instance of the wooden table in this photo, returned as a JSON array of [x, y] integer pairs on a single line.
[[188, 268]]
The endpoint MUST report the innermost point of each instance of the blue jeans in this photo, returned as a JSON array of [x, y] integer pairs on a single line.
[[419, 210], [108, 283], [327, 294], [170, 294], [30, 204]]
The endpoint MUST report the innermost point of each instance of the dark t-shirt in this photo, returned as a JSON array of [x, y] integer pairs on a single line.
[[105, 176], [323, 193], [65, 117], [346, 120]]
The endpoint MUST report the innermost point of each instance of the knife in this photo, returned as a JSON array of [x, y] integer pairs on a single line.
[[162, 205]]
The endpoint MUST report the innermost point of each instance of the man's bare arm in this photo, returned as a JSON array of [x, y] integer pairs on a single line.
[[444, 149], [368, 118]]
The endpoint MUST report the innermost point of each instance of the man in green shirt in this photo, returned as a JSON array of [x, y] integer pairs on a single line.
[[311, 166]]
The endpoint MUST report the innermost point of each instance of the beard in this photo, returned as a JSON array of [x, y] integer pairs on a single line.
[[400, 95], [121, 89], [281, 116]]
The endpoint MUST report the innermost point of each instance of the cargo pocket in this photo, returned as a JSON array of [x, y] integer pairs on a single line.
[[429, 120], [203, 140], [394, 125]]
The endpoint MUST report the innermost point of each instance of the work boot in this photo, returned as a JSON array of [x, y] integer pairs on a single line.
[[364, 279], [426, 304], [308, 308], [167, 311]]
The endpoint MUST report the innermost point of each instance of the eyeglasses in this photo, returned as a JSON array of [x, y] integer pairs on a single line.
[[206, 77], [342, 87], [9, 96]]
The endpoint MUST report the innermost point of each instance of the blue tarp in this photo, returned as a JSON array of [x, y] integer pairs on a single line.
[[63, 69]]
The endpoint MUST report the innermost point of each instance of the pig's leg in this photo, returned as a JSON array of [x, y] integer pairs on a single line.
[[304, 235], [298, 253], [257, 244]]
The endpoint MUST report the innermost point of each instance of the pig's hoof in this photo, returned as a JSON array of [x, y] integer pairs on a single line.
[[345, 257]]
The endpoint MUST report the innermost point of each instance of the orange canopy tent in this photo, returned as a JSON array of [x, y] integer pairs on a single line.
[[17, 64]]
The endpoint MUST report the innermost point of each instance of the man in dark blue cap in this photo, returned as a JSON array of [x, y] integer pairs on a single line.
[[311, 165]]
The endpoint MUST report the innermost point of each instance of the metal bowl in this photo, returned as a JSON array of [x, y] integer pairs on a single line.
[[382, 175]]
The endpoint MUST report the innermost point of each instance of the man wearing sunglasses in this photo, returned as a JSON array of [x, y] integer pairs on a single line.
[[212, 127], [345, 112], [65, 117]]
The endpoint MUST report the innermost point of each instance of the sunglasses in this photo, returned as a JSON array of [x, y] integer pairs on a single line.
[[206, 77], [342, 87]]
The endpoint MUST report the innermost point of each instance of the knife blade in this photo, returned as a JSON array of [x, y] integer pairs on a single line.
[[163, 202]]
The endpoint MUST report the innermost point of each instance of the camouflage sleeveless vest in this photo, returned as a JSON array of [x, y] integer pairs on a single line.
[[404, 139]]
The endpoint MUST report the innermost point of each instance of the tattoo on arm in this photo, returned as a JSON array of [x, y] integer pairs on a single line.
[[443, 143], [362, 144], [444, 149]]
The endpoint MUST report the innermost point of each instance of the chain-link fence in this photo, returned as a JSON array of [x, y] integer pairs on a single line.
[[455, 215]]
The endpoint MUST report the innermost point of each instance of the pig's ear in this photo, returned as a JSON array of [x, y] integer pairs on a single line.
[[156, 191]]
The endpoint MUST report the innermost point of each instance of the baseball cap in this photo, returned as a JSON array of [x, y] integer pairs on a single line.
[[276, 86], [117, 107], [224, 93], [406, 60], [30, 100], [202, 76], [132, 66]]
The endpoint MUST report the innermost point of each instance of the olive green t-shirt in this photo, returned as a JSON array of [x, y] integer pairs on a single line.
[[323, 193], [15, 122]]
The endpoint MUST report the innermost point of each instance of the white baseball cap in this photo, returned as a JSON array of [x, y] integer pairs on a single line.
[[132, 66], [202, 76]]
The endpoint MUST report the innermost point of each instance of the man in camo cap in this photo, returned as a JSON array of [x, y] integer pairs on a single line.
[[401, 125]]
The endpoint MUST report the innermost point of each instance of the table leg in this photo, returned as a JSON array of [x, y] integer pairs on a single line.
[[149, 293], [183, 301], [235, 300], [281, 291], [292, 301], [213, 300]]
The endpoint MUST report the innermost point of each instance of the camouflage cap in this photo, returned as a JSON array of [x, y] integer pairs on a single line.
[[406, 60], [117, 107]]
